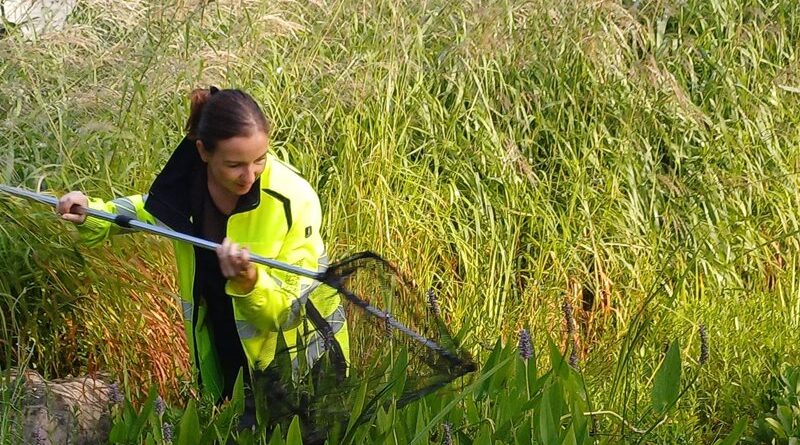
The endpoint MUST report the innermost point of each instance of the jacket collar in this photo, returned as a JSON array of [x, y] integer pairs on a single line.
[[184, 175]]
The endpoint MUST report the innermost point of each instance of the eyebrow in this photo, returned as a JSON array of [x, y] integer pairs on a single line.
[[241, 162]]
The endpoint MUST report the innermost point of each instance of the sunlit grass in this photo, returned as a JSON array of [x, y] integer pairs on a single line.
[[639, 161]]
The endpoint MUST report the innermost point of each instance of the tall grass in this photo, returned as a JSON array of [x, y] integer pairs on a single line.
[[636, 159]]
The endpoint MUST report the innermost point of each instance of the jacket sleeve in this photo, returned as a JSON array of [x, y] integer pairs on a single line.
[[276, 301], [94, 231]]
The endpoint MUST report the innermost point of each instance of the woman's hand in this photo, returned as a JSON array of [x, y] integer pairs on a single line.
[[71, 207], [236, 266]]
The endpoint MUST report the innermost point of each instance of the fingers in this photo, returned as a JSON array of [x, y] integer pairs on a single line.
[[233, 261], [223, 254], [73, 218], [245, 259], [71, 207]]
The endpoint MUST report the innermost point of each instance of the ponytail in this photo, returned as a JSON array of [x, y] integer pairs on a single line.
[[198, 99]]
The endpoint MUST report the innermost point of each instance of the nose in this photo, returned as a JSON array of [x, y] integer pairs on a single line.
[[250, 174]]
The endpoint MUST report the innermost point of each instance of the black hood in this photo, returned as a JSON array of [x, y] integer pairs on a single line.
[[174, 190]]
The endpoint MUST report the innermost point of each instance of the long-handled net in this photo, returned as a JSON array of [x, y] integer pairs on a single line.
[[397, 355]]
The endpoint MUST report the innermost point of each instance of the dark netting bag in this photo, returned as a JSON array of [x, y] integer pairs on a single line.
[[397, 356]]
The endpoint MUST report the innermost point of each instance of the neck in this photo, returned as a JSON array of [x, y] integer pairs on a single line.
[[223, 199]]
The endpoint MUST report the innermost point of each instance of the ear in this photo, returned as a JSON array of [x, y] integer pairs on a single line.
[[201, 150]]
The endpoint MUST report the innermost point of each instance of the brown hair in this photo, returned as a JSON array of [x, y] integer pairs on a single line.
[[217, 115]]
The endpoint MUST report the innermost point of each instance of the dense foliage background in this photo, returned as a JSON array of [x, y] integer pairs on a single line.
[[633, 164]]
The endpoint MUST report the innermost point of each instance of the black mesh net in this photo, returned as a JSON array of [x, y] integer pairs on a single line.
[[398, 354]]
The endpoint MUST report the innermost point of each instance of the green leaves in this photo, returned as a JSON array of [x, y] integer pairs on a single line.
[[131, 426], [548, 409], [189, 429], [667, 382], [735, 435], [294, 437], [511, 401]]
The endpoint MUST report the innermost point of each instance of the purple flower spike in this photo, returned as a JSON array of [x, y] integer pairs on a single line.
[[160, 406], [525, 345], [448, 434], [433, 302], [703, 344], [115, 396], [166, 431]]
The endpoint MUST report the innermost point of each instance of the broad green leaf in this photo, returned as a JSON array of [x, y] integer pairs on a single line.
[[277, 436], [484, 436], [777, 428], [667, 382], [129, 416], [500, 380], [735, 435], [385, 419], [494, 356], [135, 432], [785, 416], [358, 405], [189, 429], [398, 377], [579, 423], [117, 434], [238, 392], [471, 411], [559, 365], [294, 437], [548, 428], [523, 435], [421, 420], [569, 438]]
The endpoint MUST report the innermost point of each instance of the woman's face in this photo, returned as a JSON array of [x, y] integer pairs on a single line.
[[237, 162]]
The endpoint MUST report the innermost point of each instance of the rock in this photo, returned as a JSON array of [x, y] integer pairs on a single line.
[[67, 411], [37, 17]]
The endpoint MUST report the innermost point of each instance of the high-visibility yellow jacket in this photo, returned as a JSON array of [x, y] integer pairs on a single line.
[[279, 218]]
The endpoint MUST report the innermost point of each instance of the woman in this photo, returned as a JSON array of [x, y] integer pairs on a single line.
[[223, 185]]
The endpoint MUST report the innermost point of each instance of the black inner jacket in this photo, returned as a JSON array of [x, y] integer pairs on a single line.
[[185, 175], [212, 224]]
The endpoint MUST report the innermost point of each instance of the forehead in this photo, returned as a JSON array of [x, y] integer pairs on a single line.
[[242, 147]]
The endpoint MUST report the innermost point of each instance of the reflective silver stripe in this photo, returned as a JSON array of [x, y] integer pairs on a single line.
[[294, 313], [316, 341], [188, 310], [306, 289], [125, 207], [295, 310], [246, 330], [314, 351], [337, 319]]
